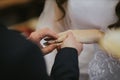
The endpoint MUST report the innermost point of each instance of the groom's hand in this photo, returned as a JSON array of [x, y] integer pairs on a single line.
[[38, 35]]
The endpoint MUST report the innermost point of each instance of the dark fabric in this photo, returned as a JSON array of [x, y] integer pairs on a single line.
[[20, 59], [66, 63]]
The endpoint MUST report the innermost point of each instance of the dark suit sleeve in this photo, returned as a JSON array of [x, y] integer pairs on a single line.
[[34, 65], [22, 60], [66, 65], [64, 68]]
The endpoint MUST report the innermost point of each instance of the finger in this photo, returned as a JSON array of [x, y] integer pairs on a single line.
[[49, 48], [34, 37], [62, 33], [42, 33], [48, 38], [59, 46], [52, 41], [61, 38], [47, 43], [51, 34]]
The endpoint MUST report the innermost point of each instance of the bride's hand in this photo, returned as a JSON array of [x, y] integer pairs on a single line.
[[61, 37]]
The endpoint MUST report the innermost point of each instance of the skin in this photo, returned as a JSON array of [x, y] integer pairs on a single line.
[[69, 41], [83, 36], [38, 35]]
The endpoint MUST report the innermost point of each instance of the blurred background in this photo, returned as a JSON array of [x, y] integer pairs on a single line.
[[21, 15]]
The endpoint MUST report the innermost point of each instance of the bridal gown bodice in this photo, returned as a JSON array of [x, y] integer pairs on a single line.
[[87, 14]]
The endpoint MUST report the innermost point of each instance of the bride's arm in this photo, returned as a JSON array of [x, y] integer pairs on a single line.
[[84, 36], [88, 36], [108, 41]]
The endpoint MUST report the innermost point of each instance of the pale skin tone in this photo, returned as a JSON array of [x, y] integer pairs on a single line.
[[70, 41], [83, 36]]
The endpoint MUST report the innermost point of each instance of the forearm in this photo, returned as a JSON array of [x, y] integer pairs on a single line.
[[88, 36]]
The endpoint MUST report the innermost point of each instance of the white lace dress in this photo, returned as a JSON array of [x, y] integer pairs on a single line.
[[104, 67]]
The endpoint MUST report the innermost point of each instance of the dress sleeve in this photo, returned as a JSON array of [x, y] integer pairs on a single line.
[[111, 42]]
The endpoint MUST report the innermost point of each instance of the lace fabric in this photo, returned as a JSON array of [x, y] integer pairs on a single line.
[[104, 67]]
